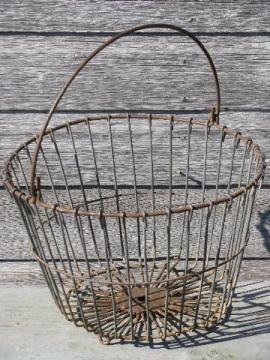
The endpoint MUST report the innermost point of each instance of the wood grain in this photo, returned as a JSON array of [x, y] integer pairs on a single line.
[[15, 129], [106, 16], [167, 73], [14, 241], [42, 43]]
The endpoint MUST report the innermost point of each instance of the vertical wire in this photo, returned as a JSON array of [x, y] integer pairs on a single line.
[[97, 177], [178, 257], [235, 213], [246, 203], [53, 139], [41, 225], [63, 223], [253, 196], [168, 228], [57, 202], [152, 193], [107, 253], [128, 275], [76, 285], [26, 148], [39, 250], [146, 285], [228, 265], [189, 218], [135, 191], [49, 175], [54, 238], [207, 129], [216, 262], [209, 211], [242, 166], [243, 198], [58, 251], [57, 220], [28, 225], [23, 173], [186, 186], [83, 191], [234, 243], [83, 243], [15, 174], [236, 209], [61, 216], [233, 263], [250, 165], [235, 146], [95, 164], [115, 185], [69, 261], [222, 137]]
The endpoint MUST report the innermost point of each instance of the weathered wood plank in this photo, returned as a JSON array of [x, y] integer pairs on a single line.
[[33, 69], [14, 242], [137, 73], [29, 273], [87, 16], [17, 273], [17, 128]]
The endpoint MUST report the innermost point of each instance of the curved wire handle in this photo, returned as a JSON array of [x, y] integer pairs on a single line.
[[215, 109]]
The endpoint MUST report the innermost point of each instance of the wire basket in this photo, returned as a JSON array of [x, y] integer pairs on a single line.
[[140, 221]]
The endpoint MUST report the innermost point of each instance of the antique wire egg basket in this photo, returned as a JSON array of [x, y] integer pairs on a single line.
[[139, 221]]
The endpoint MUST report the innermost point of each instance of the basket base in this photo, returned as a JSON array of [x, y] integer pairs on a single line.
[[156, 300], [113, 314]]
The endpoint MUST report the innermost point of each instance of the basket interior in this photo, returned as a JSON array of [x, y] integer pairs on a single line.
[[113, 167], [132, 164], [97, 164]]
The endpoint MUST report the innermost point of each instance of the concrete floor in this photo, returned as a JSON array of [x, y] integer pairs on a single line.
[[31, 328]]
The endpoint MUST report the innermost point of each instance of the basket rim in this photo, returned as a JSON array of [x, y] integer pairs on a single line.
[[29, 199]]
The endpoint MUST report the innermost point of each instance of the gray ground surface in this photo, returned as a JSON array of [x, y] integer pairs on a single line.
[[32, 328]]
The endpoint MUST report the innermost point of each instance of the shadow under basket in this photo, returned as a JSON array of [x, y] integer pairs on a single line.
[[139, 222]]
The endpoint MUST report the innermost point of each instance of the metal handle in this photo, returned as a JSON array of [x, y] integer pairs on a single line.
[[215, 110]]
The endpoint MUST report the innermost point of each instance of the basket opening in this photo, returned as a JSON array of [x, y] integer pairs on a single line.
[[136, 164]]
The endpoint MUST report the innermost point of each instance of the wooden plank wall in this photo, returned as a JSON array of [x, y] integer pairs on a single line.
[[42, 43]]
